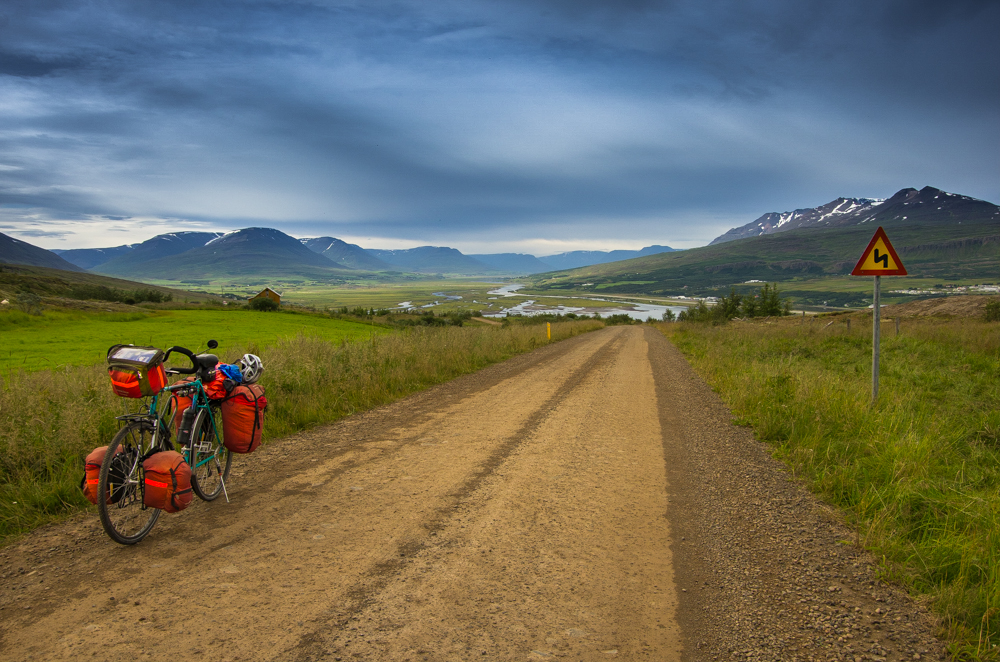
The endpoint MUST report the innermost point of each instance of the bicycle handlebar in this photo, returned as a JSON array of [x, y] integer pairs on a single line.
[[186, 352]]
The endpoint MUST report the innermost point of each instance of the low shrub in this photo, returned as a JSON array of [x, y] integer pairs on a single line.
[[992, 312], [262, 304]]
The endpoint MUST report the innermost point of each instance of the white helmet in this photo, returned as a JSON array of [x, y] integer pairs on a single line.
[[251, 367]]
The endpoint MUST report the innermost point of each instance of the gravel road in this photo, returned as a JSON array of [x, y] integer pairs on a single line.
[[588, 501]]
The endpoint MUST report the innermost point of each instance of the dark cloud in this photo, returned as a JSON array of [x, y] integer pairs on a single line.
[[553, 116], [27, 66]]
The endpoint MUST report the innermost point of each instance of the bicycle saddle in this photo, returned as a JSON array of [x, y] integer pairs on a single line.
[[207, 361]]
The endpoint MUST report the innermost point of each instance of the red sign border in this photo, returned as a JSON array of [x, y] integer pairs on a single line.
[[858, 271]]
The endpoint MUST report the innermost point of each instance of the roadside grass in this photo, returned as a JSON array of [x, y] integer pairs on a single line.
[[917, 475], [51, 419], [59, 338]]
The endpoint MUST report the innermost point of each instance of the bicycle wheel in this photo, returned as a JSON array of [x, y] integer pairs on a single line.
[[210, 461], [124, 516]]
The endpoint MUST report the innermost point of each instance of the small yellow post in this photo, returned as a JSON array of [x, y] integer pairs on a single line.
[[548, 329]]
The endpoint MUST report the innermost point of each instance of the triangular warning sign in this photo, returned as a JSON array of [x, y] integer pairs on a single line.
[[879, 259]]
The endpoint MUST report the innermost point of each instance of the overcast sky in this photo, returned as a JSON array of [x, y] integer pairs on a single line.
[[521, 125]]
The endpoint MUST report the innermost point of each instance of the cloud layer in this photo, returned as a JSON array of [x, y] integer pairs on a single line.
[[483, 125]]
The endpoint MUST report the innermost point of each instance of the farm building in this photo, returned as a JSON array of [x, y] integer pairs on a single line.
[[267, 293]]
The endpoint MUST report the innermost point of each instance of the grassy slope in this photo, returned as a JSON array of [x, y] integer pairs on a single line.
[[47, 282], [60, 338], [806, 253], [917, 475]]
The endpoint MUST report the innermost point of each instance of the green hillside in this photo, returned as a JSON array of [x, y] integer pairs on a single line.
[[15, 251], [955, 251], [45, 282]]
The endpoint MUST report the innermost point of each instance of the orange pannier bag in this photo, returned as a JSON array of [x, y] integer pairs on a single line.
[[116, 475], [92, 470], [167, 482], [136, 371], [178, 403], [216, 388], [243, 418]]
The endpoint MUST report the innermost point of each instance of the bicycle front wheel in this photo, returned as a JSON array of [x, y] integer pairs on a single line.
[[210, 461], [125, 518]]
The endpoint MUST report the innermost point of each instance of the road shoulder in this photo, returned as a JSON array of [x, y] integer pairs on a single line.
[[765, 570]]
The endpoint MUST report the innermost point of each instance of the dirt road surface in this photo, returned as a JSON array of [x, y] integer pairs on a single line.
[[587, 501]]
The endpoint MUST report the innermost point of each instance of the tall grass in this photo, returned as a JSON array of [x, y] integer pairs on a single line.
[[917, 474], [50, 420]]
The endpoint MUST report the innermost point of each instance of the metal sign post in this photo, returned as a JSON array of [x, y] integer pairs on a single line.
[[878, 260], [877, 327]]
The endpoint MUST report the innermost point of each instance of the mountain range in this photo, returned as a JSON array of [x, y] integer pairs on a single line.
[[264, 251], [940, 234], [124, 260], [937, 234], [349, 256], [929, 204]]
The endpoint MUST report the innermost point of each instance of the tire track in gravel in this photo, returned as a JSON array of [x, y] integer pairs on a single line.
[[382, 573]]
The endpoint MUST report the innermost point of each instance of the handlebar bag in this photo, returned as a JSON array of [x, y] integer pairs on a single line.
[[243, 418], [167, 482], [136, 372]]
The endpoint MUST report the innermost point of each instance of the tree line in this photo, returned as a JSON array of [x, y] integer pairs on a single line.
[[765, 303]]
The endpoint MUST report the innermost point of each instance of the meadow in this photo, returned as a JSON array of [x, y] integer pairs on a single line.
[[916, 475], [466, 293], [63, 337], [51, 419]]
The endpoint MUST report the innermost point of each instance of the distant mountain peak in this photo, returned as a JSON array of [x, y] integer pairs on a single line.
[[855, 211], [344, 254], [15, 251]]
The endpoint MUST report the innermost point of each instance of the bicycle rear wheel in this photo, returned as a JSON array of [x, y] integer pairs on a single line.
[[125, 518], [210, 461]]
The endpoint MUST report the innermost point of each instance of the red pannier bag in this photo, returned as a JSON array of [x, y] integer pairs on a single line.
[[216, 388], [178, 403], [243, 418], [92, 470], [167, 482], [136, 372]]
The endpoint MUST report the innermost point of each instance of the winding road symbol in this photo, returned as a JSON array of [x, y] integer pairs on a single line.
[[879, 259], [884, 259]]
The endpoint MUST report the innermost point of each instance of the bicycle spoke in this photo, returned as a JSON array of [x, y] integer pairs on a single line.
[[210, 461], [124, 516]]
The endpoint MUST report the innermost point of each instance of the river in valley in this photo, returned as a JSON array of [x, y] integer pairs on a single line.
[[536, 306]]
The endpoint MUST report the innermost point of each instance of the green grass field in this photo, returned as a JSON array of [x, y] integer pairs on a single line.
[[51, 419], [391, 294], [60, 338], [917, 475]]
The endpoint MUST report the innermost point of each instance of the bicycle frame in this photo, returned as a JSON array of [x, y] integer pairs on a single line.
[[157, 417]]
